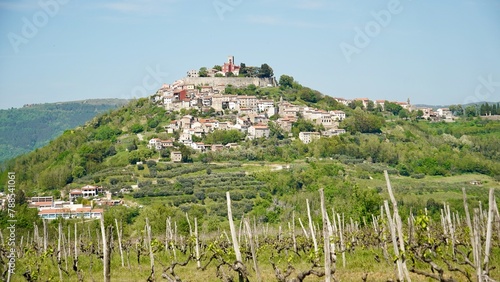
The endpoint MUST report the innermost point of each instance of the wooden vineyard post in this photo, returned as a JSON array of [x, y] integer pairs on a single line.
[[399, 226], [303, 229], [197, 243], [341, 235], [293, 232], [252, 249], [477, 244], [75, 262], [44, 235], [234, 238], [475, 251], [68, 253], [487, 247], [236, 246], [106, 270], [189, 224], [36, 238], [119, 232], [151, 255], [312, 229], [166, 236], [392, 227], [498, 217], [59, 238], [326, 238], [333, 256], [449, 225]]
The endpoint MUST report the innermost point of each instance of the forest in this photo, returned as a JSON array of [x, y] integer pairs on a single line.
[[24, 129]]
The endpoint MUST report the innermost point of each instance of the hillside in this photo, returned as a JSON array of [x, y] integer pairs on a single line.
[[105, 152], [25, 129], [128, 151]]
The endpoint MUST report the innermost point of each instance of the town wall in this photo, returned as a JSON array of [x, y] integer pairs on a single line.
[[234, 81]]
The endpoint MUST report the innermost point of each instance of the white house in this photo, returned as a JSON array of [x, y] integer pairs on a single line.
[[338, 115], [308, 137]]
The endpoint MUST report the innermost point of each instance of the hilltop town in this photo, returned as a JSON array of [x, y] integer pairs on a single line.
[[208, 92]]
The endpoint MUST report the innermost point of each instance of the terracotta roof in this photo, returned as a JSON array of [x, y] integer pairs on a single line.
[[260, 127], [41, 203], [49, 211], [84, 209]]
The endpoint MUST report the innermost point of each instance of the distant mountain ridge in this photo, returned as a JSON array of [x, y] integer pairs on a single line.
[[25, 129]]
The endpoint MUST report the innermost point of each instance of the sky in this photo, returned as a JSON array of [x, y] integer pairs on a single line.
[[433, 52]]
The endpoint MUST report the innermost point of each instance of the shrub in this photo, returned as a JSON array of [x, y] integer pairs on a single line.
[[136, 128], [418, 175]]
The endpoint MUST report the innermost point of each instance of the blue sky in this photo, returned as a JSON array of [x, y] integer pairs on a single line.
[[433, 52]]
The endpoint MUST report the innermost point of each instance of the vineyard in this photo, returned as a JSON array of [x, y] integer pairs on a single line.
[[322, 245]]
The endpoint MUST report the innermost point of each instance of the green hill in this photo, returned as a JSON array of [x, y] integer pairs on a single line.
[[33, 126], [106, 149], [269, 180]]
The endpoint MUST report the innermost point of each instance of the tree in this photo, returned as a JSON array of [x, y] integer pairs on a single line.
[[203, 72], [165, 153], [392, 108], [370, 106], [265, 71], [356, 104], [153, 123], [224, 136], [457, 110], [363, 122], [471, 111], [404, 114], [286, 81], [302, 125], [186, 154], [136, 128], [252, 71], [276, 131], [132, 146], [217, 67], [229, 74], [420, 114], [243, 70], [309, 95]]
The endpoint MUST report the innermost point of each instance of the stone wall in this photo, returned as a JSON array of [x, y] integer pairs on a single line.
[[234, 81]]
